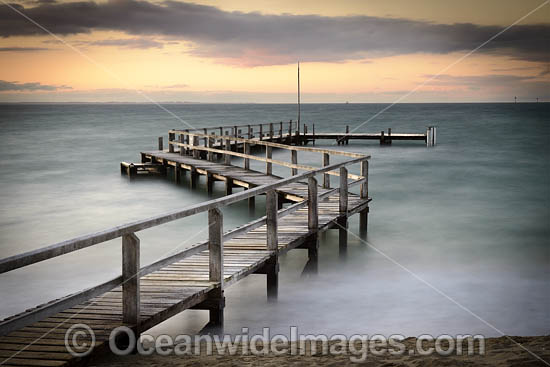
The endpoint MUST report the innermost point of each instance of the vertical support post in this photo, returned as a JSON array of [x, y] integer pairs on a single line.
[[389, 136], [434, 132], [131, 279], [294, 160], [312, 208], [261, 132], [347, 133], [228, 186], [326, 176], [205, 132], [196, 152], [272, 266], [271, 131], [364, 194], [209, 183], [227, 157], [215, 255], [177, 173], [268, 165], [194, 176], [171, 138], [365, 185], [246, 150], [215, 245], [187, 142], [161, 145], [313, 131], [271, 220], [191, 143], [298, 142], [382, 139], [182, 149], [210, 155], [343, 191], [249, 132], [313, 219], [343, 204], [281, 131]]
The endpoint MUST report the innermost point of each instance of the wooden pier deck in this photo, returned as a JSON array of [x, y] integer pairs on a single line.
[[143, 296]]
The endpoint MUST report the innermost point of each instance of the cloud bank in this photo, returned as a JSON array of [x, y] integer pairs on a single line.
[[253, 39], [6, 86]]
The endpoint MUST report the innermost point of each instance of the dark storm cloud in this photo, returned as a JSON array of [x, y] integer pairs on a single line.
[[25, 87], [259, 39]]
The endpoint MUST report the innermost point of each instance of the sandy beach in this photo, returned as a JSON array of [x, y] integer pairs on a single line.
[[501, 351]]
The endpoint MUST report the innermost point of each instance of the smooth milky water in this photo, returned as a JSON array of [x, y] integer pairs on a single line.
[[456, 232]]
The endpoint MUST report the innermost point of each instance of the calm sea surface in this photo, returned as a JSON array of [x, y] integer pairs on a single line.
[[471, 217]]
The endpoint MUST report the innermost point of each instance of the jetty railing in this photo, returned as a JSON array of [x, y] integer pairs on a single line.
[[131, 268], [188, 143]]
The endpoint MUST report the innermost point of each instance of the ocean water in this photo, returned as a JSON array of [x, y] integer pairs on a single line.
[[459, 234]]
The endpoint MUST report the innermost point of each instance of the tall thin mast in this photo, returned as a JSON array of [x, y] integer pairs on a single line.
[[298, 93]]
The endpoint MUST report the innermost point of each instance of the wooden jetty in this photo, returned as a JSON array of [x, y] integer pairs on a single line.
[[195, 278], [294, 133]]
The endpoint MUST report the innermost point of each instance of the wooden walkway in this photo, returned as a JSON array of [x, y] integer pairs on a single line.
[[196, 277]]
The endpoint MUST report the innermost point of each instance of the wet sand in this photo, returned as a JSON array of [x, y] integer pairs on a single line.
[[498, 352]]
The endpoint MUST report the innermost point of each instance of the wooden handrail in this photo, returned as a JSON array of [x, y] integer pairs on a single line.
[[267, 143], [228, 152], [81, 242]]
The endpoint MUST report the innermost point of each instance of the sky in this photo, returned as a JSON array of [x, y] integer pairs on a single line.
[[361, 51]]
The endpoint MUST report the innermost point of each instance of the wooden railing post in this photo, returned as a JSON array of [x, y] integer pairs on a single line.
[[187, 142], [215, 245], [326, 176], [347, 133], [364, 214], [215, 266], [161, 144], [272, 265], [343, 220], [205, 131], [365, 174], [312, 208], [261, 132], [294, 160], [130, 278], [196, 152], [246, 150], [181, 140], [211, 145], [271, 131], [313, 131], [281, 130], [227, 157], [271, 219], [343, 190], [249, 132], [171, 138], [268, 165]]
